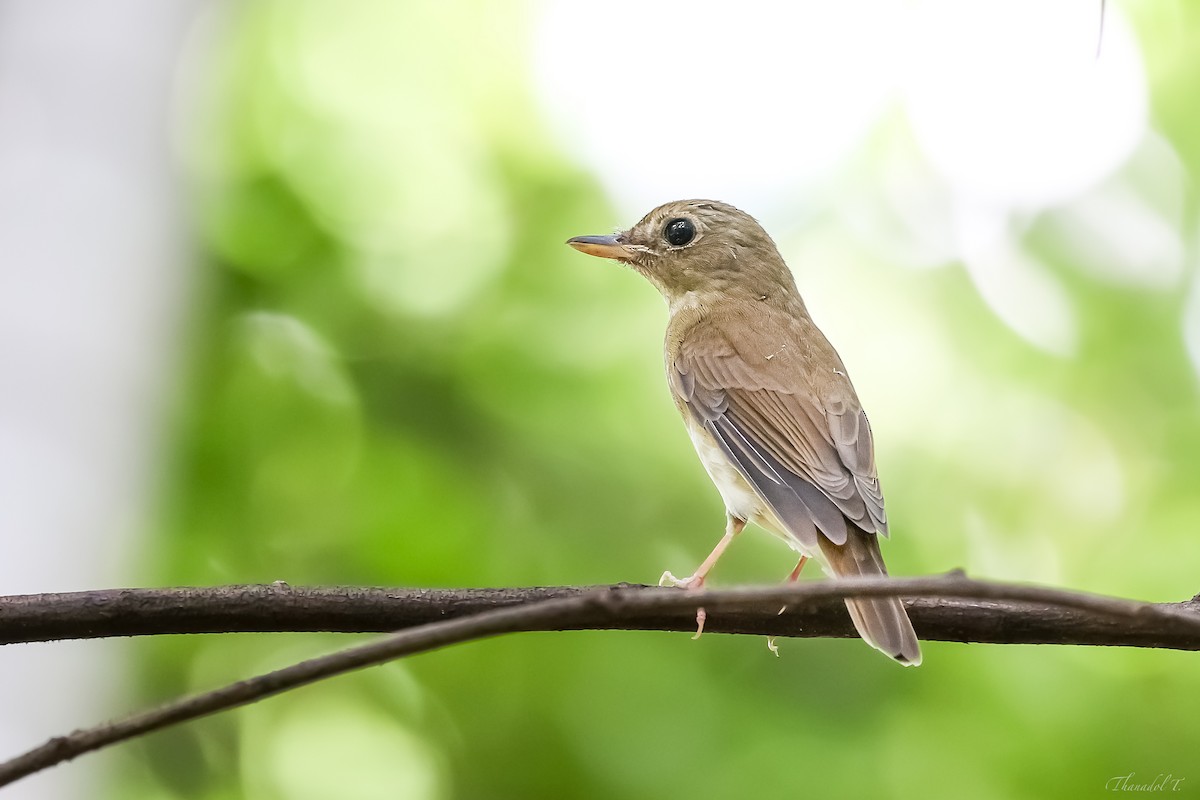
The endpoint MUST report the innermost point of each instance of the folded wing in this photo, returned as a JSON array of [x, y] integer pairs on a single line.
[[803, 444]]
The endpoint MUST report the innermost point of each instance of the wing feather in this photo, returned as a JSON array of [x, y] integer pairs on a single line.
[[804, 445]]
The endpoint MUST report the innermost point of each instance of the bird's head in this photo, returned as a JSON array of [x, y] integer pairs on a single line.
[[698, 246]]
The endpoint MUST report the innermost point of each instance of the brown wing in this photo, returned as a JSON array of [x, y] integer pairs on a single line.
[[798, 436]]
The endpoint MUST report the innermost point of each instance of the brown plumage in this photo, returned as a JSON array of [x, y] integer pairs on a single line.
[[765, 397]]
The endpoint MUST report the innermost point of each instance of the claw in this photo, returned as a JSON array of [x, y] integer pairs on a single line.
[[695, 582], [691, 582], [774, 648], [701, 615]]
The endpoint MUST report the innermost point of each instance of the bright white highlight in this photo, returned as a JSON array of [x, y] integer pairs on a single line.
[[710, 99], [758, 101], [1010, 102]]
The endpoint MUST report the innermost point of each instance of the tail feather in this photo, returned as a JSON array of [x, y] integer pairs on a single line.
[[881, 621]]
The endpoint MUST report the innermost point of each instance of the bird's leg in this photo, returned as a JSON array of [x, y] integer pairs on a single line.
[[733, 527], [794, 576], [696, 581]]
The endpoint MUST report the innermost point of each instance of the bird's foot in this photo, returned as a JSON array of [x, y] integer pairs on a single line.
[[693, 583], [774, 648]]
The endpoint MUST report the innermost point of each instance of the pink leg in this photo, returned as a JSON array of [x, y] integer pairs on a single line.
[[733, 527], [794, 575]]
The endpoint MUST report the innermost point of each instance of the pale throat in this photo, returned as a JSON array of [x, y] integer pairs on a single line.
[[714, 294], [688, 300], [706, 295]]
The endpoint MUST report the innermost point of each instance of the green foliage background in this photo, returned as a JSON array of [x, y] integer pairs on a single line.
[[399, 376]]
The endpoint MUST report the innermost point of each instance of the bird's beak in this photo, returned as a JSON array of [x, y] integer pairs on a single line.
[[602, 246]]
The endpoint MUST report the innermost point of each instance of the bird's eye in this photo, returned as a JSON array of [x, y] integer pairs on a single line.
[[679, 232]]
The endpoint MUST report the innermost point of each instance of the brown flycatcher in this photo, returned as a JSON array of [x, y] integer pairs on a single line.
[[766, 400]]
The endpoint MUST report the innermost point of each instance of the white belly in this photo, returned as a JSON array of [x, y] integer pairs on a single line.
[[740, 498]]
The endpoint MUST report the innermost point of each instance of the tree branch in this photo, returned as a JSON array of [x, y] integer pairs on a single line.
[[1110, 621], [1042, 616]]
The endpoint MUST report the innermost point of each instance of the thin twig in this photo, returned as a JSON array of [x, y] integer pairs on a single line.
[[565, 613], [416, 640]]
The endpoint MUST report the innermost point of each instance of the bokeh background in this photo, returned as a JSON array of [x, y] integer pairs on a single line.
[[283, 296]]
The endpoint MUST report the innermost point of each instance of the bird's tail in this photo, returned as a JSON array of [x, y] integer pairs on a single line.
[[880, 621]]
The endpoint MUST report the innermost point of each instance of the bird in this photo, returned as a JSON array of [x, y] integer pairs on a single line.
[[766, 400]]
